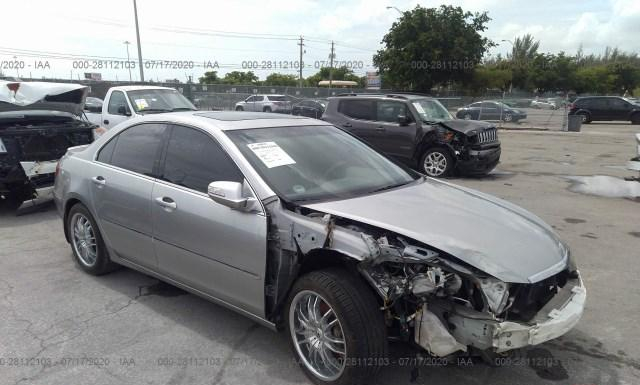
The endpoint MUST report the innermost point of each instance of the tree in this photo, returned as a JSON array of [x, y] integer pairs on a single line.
[[493, 77], [276, 79], [340, 73], [210, 77], [239, 77], [432, 46], [523, 54]]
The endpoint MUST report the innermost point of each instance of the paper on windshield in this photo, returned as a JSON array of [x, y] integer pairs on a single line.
[[141, 104], [271, 154]]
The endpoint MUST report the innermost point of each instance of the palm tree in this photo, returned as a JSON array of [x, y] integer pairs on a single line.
[[524, 49]]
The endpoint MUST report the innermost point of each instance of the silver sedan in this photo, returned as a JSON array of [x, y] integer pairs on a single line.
[[302, 227]]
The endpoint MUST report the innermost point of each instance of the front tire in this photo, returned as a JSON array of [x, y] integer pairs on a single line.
[[508, 117], [335, 328], [239, 108], [87, 244], [436, 162]]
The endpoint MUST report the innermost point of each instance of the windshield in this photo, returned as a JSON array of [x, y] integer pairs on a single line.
[[431, 110], [317, 162], [159, 100]]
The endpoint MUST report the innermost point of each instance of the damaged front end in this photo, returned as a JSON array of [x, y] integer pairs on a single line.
[[38, 123], [440, 303]]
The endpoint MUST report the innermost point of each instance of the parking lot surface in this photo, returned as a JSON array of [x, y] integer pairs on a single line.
[[59, 325]]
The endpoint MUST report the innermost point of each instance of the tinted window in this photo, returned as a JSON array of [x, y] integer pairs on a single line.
[[489, 105], [137, 148], [617, 104], [105, 153], [389, 111], [358, 109], [116, 100], [194, 160], [277, 98]]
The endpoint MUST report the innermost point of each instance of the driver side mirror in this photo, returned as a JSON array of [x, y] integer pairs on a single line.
[[229, 194], [403, 120], [122, 110]]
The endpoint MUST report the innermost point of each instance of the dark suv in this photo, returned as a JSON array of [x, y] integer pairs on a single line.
[[418, 131], [605, 108]]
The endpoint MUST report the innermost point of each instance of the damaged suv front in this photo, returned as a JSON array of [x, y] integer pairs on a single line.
[[38, 123]]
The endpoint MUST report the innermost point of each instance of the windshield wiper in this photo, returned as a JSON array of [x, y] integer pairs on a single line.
[[154, 110], [183, 109], [389, 187]]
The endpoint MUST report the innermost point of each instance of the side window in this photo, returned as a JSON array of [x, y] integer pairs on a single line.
[[116, 100], [388, 111], [137, 148], [357, 109], [194, 160], [617, 104], [488, 105], [106, 151]]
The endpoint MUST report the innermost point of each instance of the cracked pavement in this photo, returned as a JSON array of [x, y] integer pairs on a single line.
[[61, 326]]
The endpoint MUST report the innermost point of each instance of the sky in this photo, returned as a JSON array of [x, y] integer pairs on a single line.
[[186, 38]]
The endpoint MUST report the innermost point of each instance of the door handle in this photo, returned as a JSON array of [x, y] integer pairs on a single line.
[[105, 121], [99, 180], [346, 124], [380, 128], [167, 203]]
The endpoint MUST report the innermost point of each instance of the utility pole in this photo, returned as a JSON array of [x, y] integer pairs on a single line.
[[301, 44], [128, 61], [135, 13], [332, 56]]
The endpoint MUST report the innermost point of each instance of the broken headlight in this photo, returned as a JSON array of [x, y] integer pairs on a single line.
[[496, 293]]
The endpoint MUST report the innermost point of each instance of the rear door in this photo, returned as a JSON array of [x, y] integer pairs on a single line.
[[199, 242], [599, 108], [391, 137], [358, 117], [123, 179], [489, 111], [118, 110]]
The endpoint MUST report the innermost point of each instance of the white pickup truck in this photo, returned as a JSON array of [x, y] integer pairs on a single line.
[[126, 102]]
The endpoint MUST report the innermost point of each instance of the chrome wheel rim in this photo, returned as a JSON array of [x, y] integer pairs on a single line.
[[84, 240], [508, 117], [435, 164], [584, 118], [317, 335]]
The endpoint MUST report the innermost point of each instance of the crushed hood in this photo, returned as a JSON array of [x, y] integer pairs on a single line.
[[21, 96], [466, 126], [495, 236]]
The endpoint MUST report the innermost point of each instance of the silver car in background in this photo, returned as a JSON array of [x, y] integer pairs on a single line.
[[265, 103], [302, 227]]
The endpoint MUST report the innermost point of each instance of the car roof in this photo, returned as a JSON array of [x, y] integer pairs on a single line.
[[391, 96], [134, 87], [231, 120]]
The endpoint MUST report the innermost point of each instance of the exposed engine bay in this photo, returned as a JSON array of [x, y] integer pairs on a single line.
[[430, 298], [38, 123]]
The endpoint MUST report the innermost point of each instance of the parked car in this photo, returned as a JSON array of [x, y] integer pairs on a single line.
[[127, 102], [605, 108], [418, 131], [515, 103], [39, 121], [544, 104], [312, 108], [265, 103], [302, 227], [92, 104], [490, 110]]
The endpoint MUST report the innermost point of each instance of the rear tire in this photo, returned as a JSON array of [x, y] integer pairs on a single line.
[[239, 108], [266, 109], [351, 314], [87, 245], [436, 162]]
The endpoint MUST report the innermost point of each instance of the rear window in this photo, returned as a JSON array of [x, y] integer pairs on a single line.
[[277, 98], [358, 109]]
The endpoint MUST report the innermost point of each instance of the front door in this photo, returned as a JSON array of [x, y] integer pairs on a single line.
[[208, 246], [121, 187], [118, 110], [391, 137]]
